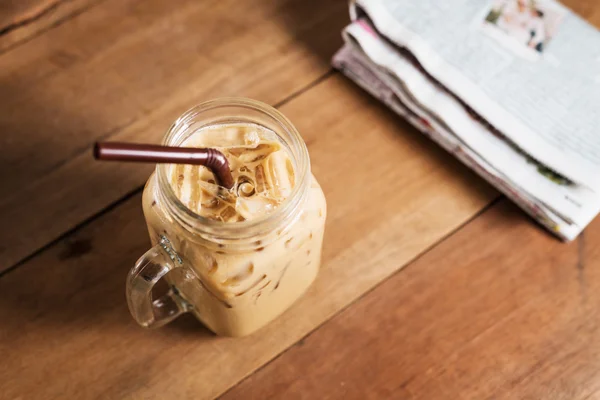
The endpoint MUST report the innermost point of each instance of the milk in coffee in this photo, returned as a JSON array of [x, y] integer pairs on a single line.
[[236, 287]]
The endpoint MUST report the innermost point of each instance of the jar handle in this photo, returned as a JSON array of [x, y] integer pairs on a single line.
[[148, 270]]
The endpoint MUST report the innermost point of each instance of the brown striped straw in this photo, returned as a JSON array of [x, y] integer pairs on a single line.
[[151, 153]]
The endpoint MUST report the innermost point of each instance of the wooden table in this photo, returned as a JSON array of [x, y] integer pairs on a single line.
[[487, 305]]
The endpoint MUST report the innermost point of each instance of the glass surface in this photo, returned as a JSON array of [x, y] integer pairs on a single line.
[[234, 277]]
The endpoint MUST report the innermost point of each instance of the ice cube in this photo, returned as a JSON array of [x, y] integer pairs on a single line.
[[254, 206], [262, 185], [235, 135], [280, 174], [252, 155], [228, 214]]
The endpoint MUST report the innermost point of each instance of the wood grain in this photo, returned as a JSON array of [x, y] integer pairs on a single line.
[[21, 20], [66, 332], [500, 310], [126, 69], [587, 9]]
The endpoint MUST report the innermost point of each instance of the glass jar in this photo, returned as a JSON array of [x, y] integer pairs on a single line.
[[234, 277]]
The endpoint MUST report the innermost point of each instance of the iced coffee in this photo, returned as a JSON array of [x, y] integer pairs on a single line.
[[246, 253]]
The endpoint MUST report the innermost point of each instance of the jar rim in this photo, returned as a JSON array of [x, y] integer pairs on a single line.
[[243, 229]]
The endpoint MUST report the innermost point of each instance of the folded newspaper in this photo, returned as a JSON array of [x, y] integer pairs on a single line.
[[510, 87]]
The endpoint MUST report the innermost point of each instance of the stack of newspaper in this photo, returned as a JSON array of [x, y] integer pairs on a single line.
[[510, 87]]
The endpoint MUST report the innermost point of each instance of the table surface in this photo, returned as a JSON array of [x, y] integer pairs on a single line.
[[487, 304]]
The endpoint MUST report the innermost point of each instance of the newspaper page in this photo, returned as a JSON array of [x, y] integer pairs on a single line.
[[531, 68], [574, 203], [358, 68]]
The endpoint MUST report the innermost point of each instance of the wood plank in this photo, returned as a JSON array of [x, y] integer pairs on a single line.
[[65, 328], [126, 69], [589, 10], [22, 19], [499, 310]]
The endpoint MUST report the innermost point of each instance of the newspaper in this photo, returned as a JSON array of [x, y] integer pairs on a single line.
[[502, 102]]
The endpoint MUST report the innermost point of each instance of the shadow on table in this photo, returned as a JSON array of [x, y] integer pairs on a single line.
[[316, 24], [77, 286]]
